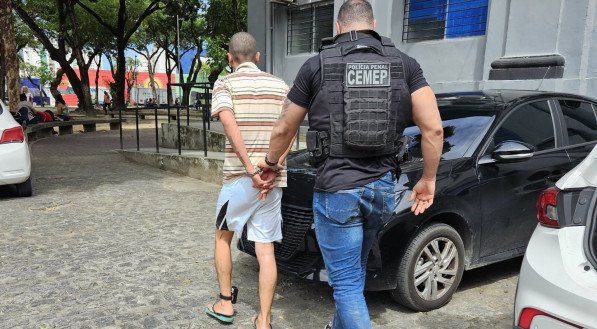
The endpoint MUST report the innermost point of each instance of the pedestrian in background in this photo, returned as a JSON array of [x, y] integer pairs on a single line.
[[360, 93], [25, 109], [28, 94], [107, 101], [248, 102], [62, 110]]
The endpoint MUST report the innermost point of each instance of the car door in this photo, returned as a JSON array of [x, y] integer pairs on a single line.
[[580, 128], [509, 190]]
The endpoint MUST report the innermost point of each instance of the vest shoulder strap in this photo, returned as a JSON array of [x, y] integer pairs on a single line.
[[327, 43], [387, 42]]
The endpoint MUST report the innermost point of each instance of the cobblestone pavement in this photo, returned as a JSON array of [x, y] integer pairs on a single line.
[[107, 243]]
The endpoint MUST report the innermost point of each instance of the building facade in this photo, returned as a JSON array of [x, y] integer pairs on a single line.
[[462, 45]]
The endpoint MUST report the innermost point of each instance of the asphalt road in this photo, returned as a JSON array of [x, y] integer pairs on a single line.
[[105, 243]]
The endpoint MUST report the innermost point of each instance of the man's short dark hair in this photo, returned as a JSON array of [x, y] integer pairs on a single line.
[[355, 11], [22, 97], [242, 47]]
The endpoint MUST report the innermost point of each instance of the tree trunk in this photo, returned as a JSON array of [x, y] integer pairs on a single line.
[[213, 75], [235, 15], [86, 103], [56, 82], [10, 53], [186, 95], [169, 70], [151, 71], [2, 72], [97, 70], [120, 77]]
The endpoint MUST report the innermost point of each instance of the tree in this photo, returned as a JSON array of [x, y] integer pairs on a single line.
[[23, 38], [223, 18], [129, 16], [144, 43], [131, 76], [10, 52], [191, 32], [165, 39], [42, 72], [66, 33]]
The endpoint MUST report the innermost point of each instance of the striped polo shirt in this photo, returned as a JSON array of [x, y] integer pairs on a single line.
[[256, 99]]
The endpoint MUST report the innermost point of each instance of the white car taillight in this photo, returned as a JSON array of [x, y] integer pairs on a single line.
[[546, 208], [528, 315], [12, 135]]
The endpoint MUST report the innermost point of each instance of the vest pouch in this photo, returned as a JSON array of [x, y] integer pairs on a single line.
[[367, 118], [318, 146]]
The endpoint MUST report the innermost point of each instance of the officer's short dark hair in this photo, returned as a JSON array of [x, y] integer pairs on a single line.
[[22, 97], [355, 11], [242, 47]]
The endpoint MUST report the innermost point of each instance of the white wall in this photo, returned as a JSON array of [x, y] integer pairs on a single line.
[[515, 28]]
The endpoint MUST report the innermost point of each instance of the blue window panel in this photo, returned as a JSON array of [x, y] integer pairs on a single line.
[[426, 10], [466, 18]]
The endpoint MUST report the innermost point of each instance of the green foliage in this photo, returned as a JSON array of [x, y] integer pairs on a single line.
[[217, 53], [225, 17], [42, 72], [23, 36]]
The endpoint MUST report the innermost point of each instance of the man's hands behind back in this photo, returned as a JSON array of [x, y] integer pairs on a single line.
[[265, 180]]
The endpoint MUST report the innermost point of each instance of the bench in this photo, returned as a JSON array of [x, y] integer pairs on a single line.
[[45, 129]]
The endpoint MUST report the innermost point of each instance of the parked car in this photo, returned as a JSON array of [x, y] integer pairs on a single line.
[[501, 149], [557, 287], [15, 161]]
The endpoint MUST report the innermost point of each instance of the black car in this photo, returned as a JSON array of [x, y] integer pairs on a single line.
[[501, 149]]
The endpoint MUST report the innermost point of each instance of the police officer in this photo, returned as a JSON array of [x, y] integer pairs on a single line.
[[360, 93]]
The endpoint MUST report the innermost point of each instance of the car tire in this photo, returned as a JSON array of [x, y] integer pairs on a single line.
[[24, 189], [437, 252]]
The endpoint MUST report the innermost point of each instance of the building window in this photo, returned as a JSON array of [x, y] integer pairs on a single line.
[[443, 19], [307, 25]]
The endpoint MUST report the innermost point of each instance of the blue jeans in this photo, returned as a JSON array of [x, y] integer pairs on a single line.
[[346, 224]]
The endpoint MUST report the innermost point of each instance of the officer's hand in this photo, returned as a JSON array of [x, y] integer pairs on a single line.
[[422, 195]]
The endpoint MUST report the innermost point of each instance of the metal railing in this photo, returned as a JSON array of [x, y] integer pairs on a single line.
[[155, 112]]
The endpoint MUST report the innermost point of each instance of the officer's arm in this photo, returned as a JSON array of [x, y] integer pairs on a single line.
[[284, 130], [426, 117]]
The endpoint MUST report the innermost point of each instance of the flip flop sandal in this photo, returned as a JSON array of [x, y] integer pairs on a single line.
[[223, 318], [255, 323]]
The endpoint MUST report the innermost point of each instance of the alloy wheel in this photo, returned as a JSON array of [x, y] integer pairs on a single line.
[[436, 268]]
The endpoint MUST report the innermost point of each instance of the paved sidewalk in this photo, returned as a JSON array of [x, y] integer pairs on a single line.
[[107, 243]]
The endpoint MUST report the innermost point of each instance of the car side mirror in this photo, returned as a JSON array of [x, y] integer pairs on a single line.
[[512, 151]]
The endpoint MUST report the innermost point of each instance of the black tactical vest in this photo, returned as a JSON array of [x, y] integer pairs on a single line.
[[361, 88]]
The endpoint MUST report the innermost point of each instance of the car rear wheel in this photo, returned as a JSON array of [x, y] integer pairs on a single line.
[[430, 269], [24, 189]]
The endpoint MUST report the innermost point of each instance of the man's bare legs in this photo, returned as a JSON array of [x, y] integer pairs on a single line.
[[223, 260], [268, 274]]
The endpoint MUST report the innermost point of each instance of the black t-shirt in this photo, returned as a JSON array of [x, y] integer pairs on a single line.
[[346, 173]]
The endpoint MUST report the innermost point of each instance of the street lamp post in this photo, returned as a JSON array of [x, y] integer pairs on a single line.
[[136, 84], [180, 79]]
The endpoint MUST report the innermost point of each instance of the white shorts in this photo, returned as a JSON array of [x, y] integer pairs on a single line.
[[238, 205]]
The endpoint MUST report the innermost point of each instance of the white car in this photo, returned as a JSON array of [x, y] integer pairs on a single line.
[[557, 287], [15, 160]]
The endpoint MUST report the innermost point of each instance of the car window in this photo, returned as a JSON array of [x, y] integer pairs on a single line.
[[462, 126], [580, 119], [530, 123]]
